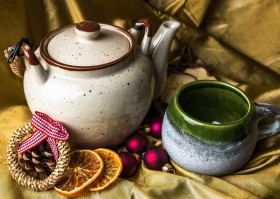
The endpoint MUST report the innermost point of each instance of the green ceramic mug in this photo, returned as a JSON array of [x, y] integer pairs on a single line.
[[211, 127]]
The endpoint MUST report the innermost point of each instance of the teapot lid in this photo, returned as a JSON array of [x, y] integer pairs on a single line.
[[86, 46]]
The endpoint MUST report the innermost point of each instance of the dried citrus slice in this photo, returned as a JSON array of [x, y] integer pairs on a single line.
[[84, 168], [112, 169]]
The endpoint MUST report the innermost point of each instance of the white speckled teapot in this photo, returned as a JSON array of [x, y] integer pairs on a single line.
[[95, 79]]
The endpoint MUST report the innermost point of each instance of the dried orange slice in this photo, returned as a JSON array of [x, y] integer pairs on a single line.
[[84, 168], [112, 169]]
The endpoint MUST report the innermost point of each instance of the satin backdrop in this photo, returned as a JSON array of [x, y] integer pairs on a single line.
[[240, 39]]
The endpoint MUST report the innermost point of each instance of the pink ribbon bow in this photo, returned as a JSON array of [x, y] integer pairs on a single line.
[[45, 129]]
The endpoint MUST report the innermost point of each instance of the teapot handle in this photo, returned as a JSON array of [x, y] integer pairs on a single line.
[[12, 55], [137, 25]]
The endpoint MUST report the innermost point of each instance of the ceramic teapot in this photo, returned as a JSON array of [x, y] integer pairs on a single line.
[[96, 80]]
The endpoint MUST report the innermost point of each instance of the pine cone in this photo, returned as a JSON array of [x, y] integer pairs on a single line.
[[39, 161]]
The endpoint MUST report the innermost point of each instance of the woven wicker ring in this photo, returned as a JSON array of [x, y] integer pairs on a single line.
[[23, 178]]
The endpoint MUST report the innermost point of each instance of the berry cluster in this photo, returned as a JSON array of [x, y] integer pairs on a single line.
[[137, 146]]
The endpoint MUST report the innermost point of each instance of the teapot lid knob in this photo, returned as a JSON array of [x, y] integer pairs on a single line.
[[87, 30]]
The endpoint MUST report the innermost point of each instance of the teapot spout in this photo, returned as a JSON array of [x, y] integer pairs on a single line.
[[159, 52]]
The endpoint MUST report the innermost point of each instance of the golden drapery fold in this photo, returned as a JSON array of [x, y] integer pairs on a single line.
[[240, 39]]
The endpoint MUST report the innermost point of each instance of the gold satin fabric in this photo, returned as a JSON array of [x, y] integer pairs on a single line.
[[240, 39]]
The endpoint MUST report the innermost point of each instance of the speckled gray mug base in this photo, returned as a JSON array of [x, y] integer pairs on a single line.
[[205, 158]]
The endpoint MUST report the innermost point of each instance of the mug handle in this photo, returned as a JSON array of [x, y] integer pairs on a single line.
[[263, 111]]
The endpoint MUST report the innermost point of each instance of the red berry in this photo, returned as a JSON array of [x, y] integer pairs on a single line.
[[129, 164], [136, 143], [155, 158], [155, 125]]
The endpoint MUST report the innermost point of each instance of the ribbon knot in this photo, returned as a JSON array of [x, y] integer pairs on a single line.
[[45, 129]]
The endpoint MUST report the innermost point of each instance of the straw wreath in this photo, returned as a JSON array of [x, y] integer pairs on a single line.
[[20, 176]]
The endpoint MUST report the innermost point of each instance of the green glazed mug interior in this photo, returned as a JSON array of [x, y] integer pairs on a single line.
[[212, 111], [213, 102]]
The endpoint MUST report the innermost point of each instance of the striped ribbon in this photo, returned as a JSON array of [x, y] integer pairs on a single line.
[[45, 129]]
